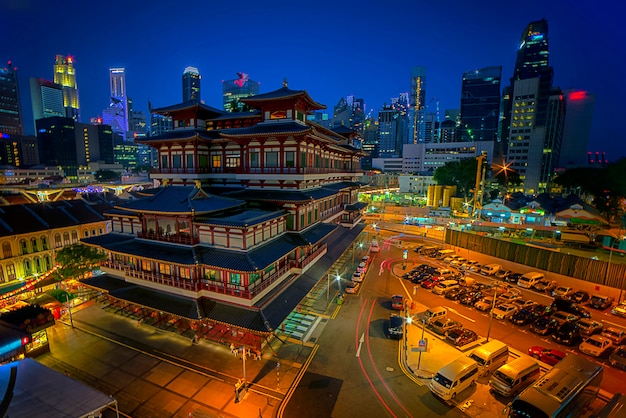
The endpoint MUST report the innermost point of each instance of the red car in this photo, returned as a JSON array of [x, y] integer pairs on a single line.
[[549, 356], [432, 282]]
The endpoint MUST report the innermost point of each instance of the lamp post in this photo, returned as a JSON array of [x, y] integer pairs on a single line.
[[493, 306], [339, 283], [69, 308]]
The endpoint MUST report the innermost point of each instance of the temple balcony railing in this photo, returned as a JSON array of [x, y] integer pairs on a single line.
[[173, 238]]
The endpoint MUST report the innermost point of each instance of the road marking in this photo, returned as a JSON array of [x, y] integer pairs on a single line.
[[358, 351], [462, 316]]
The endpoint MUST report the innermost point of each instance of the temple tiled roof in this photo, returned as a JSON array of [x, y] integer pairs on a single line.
[[179, 134], [244, 218], [22, 219], [282, 195], [256, 259], [190, 104], [268, 128], [181, 200], [282, 93]]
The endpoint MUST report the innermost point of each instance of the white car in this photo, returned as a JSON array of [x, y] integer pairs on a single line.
[[504, 311], [352, 287], [357, 276], [596, 345]]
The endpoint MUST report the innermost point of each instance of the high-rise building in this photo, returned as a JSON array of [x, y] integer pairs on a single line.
[[69, 144], [191, 84], [534, 113], [65, 75], [10, 109], [116, 115], [580, 106], [417, 103], [393, 128], [235, 90], [480, 104], [46, 98]]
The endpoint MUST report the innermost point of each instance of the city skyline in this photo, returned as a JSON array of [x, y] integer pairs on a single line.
[[330, 50]]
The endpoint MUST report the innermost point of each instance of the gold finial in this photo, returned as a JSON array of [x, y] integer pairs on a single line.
[[198, 184], [285, 82]]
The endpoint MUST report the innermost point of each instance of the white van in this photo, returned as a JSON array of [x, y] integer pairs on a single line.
[[490, 356], [511, 378], [454, 378], [445, 285], [490, 269], [431, 314], [528, 280]]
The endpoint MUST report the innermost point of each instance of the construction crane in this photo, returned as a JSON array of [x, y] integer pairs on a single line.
[[481, 168]]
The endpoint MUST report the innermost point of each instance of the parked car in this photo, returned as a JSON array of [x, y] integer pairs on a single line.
[[457, 262], [563, 291], [541, 310], [563, 317], [545, 285], [566, 305], [396, 327], [589, 327], [485, 304], [461, 336], [616, 334], [352, 287], [596, 346], [549, 356], [454, 294], [468, 264], [442, 326], [397, 302], [618, 357], [504, 311], [357, 276], [567, 334], [509, 297], [600, 301], [513, 278], [471, 297], [432, 282], [522, 317], [580, 296], [524, 303], [619, 309], [502, 274], [544, 325]]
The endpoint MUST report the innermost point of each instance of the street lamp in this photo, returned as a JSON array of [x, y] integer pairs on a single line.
[[339, 283]]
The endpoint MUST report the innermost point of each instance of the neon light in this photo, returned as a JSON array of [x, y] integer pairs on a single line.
[[578, 95]]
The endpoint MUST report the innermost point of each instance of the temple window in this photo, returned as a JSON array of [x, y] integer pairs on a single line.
[[290, 159], [164, 161], [211, 275], [146, 265], [184, 273], [271, 159], [254, 277], [232, 161], [165, 269], [177, 161], [254, 159], [6, 250], [235, 279], [189, 162], [217, 161]]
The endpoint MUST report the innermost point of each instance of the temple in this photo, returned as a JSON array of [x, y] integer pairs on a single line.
[[246, 204]]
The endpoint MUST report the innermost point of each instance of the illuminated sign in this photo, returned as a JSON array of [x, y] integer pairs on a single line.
[[578, 95]]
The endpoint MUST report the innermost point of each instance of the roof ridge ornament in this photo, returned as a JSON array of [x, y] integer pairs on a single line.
[[285, 82]]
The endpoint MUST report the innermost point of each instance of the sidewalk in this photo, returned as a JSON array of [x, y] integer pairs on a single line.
[[268, 383]]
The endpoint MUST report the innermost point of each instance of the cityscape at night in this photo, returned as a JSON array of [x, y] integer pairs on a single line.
[[311, 210]]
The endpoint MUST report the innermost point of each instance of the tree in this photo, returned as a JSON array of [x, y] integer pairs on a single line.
[[606, 185], [75, 260], [461, 173], [107, 175]]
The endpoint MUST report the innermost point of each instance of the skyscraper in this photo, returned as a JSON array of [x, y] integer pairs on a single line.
[[46, 98], [393, 128], [191, 84], [417, 103], [10, 109], [480, 104], [234, 90], [65, 75], [116, 115], [534, 112], [580, 105]]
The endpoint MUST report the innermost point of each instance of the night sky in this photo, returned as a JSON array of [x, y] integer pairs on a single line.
[[332, 49]]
